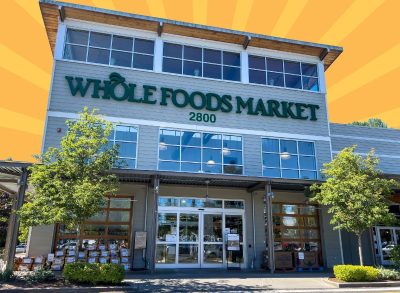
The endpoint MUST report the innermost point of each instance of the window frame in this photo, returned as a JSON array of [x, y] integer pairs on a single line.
[[284, 73], [202, 48], [201, 147], [299, 169], [136, 142], [110, 48]]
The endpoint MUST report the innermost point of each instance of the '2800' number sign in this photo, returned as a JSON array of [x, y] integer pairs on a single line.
[[202, 117]]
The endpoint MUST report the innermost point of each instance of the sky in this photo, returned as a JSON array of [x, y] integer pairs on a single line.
[[360, 84]]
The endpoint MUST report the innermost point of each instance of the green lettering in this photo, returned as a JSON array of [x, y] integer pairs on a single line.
[[226, 104], [261, 108], [166, 93], [273, 108], [192, 99], [287, 111], [299, 110], [132, 90], [148, 91], [313, 113], [242, 104], [79, 87], [175, 97], [213, 106]]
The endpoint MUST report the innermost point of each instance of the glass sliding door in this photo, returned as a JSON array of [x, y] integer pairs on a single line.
[[188, 252], [213, 242]]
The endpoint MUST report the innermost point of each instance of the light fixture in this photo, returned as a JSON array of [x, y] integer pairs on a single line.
[[226, 151], [162, 146], [285, 156], [210, 162]]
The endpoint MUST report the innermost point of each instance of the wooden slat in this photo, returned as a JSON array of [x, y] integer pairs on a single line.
[[50, 18]]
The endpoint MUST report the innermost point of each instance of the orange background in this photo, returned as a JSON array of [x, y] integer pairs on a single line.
[[361, 84]]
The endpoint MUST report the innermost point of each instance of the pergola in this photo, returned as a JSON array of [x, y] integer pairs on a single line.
[[14, 181]]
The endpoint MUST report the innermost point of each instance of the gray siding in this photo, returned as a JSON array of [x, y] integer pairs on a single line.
[[386, 143]]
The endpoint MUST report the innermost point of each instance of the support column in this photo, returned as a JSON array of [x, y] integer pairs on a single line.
[[270, 233], [154, 223], [13, 224]]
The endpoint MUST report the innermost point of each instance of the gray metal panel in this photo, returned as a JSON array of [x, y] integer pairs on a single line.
[[386, 143], [147, 148], [62, 100]]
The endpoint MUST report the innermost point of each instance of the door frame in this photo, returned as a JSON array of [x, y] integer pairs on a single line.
[[379, 241], [201, 212]]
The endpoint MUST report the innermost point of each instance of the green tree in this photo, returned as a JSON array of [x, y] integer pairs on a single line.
[[71, 181], [355, 193], [372, 122]]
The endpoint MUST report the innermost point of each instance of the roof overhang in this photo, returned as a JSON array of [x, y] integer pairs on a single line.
[[249, 183], [53, 11], [10, 174]]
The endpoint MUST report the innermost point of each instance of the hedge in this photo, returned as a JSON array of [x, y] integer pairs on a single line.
[[350, 273], [94, 273]]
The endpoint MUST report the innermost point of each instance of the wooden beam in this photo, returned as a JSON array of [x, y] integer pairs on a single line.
[[61, 13], [323, 54], [246, 42], [160, 28]]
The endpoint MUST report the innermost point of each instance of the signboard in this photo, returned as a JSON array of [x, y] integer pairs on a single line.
[[233, 242], [140, 240], [301, 255], [118, 89]]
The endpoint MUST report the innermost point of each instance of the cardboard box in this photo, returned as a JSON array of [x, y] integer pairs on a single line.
[[92, 260], [59, 253], [50, 257], [39, 259], [102, 247], [94, 253], [283, 260], [124, 252], [91, 247], [27, 260], [58, 261], [71, 252], [82, 254], [113, 246], [115, 260], [24, 267], [124, 259], [70, 259], [113, 252], [104, 253], [55, 267], [104, 260]]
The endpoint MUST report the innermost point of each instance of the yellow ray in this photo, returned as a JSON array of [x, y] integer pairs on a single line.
[[24, 68], [107, 4], [156, 8], [200, 11], [32, 8], [17, 121], [349, 20], [377, 67], [288, 17], [242, 13]]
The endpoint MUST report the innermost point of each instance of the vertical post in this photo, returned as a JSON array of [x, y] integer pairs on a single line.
[[270, 235], [154, 221], [13, 224], [158, 54], [244, 67]]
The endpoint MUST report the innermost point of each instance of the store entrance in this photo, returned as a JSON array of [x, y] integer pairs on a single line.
[[387, 238], [190, 237]]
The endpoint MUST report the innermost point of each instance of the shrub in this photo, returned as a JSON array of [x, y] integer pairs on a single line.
[[350, 273], [94, 273], [395, 256], [40, 276], [7, 275], [388, 274]]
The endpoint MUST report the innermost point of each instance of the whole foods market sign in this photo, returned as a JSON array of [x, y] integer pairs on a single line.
[[118, 89]]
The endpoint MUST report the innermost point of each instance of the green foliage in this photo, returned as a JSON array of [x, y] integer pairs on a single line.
[[388, 274], [71, 181], [94, 273], [350, 273], [355, 192], [5, 212], [40, 276], [372, 122], [7, 275], [395, 256]]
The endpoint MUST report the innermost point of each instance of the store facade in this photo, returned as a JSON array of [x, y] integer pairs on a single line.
[[220, 134]]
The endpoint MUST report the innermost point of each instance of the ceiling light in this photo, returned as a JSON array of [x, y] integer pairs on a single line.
[[285, 156]]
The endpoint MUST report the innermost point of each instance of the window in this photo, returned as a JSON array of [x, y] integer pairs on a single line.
[[189, 151], [126, 138], [111, 226], [284, 158], [109, 49], [188, 60], [283, 73]]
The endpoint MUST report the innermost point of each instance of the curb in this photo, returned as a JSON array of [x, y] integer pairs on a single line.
[[363, 284]]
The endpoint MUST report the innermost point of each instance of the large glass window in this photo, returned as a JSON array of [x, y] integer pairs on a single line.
[[109, 49], [201, 62], [284, 158], [126, 138], [110, 227], [190, 151], [283, 73]]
